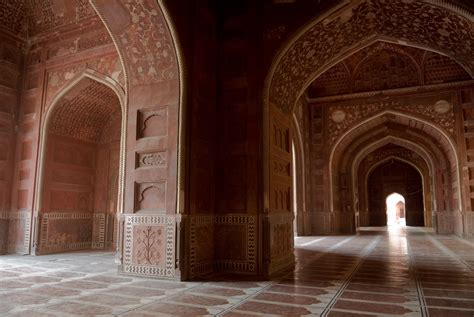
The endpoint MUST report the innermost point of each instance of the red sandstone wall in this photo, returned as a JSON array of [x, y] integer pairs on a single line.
[[105, 229], [466, 144], [201, 205], [11, 63], [237, 192], [52, 61], [79, 204], [68, 195]]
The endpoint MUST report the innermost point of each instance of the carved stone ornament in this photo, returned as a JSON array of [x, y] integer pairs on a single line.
[[442, 106], [338, 116]]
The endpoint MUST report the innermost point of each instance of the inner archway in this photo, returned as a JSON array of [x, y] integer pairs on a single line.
[[395, 206], [80, 172], [387, 185]]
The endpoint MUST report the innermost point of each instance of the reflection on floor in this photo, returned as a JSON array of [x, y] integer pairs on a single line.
[[402, 272]]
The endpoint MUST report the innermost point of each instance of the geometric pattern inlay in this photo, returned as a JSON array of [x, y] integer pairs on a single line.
[[250, 223], [209, 222], [54, 239]]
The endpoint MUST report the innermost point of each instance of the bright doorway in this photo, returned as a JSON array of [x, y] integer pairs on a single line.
[[396, 215]]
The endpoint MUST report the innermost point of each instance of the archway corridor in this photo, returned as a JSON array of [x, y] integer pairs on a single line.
[[403, 272]]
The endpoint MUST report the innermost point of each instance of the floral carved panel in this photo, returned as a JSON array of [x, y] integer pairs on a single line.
[[149, 245]]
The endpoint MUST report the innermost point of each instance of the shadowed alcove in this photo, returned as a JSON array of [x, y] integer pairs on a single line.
[[81, 170], [395, 177]]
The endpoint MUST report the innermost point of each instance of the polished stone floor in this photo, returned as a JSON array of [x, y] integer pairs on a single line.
[[396, 272]]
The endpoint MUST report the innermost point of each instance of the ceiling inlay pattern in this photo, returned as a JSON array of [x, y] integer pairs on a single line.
[[44, 15], [84, 115], [324, 42], [382, 66], [336, 81], [37, 16], [354, 61], [392, 150], [442, 69], [384, 71], [12, 15]]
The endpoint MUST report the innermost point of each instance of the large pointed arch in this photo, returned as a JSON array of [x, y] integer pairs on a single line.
[[321, 44], [86, 78]]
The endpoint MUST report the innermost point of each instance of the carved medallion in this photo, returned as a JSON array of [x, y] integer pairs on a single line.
[[338, 116], [442, 106]]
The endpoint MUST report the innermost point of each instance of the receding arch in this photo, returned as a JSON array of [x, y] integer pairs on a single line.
[[429, 196], [412, 146], [394, 158], [450, 151], [300, 55], [394, 176], [420, 151]]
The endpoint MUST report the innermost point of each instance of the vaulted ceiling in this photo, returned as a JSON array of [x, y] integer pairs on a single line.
[[33, 17], [382, 66], [85, 111]]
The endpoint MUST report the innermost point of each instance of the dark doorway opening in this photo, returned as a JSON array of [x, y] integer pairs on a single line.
[[404, 180]]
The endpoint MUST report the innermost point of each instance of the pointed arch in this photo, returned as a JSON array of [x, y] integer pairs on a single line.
[[305, 55], [82, 80], [440, 134]]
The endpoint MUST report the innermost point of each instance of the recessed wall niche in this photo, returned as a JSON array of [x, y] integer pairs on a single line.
[[150, 196], [152, 122]]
